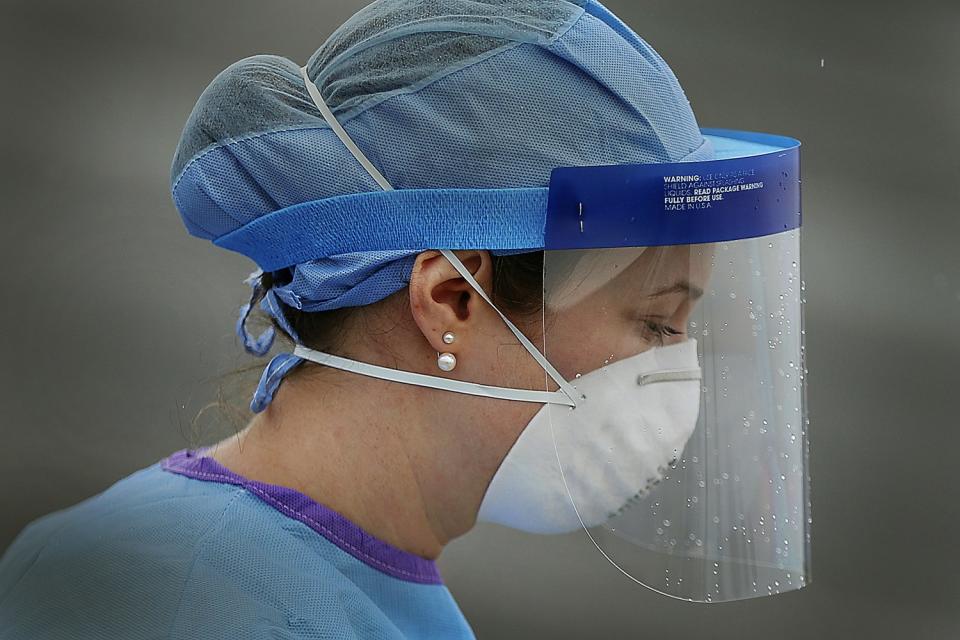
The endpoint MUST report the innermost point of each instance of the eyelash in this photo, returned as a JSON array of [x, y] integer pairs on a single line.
[[661, 331]]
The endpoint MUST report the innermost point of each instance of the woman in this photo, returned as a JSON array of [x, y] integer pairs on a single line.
[[428, 387]]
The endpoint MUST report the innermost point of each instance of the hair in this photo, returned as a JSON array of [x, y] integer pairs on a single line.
[[517, 289]]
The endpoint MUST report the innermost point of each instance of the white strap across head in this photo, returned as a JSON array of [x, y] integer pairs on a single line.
[[567, 394], [341, 133]]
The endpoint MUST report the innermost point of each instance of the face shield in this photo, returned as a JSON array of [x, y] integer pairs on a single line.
[[685, 456], [673, 306]]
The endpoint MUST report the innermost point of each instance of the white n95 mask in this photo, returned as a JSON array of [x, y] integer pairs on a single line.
[[617, 445]]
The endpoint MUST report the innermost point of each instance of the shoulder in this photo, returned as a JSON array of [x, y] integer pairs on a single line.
[[161, 555]]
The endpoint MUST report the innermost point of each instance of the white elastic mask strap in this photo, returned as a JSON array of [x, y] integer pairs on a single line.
[[565, 386], [434, 382], [341, 132], [568, 395]]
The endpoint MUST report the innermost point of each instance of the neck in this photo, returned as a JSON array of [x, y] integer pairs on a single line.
[[374, 451]]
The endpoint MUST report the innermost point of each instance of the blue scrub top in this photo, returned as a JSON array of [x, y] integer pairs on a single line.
[[185, 548]]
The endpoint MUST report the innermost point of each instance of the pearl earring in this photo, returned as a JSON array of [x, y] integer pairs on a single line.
[[449, 337], [446, 361]]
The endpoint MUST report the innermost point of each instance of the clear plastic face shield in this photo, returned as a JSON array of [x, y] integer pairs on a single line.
[[672, 427], [685, 457]]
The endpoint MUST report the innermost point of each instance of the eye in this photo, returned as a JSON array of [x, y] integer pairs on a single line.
[[657, 331]]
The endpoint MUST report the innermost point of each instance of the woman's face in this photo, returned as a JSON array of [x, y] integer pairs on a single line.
[[606, 305]]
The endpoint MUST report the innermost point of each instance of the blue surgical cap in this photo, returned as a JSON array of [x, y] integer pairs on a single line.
[[458, 94]]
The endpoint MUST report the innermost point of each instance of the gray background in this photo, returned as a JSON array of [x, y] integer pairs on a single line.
[[114, 322]]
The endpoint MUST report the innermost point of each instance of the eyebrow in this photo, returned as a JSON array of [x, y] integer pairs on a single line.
[[683, 286]]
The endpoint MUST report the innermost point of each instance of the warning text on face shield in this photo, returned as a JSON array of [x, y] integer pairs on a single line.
[[693, 192]]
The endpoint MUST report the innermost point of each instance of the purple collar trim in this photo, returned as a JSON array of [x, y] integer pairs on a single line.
[[370, 550]]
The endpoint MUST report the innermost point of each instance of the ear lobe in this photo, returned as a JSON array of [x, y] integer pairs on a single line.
[[440, 299]]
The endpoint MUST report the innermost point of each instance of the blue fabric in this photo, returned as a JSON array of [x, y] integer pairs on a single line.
[[495, 219], [474, 95], [269, 303], [278, 367], [161, 555], [347, 280]]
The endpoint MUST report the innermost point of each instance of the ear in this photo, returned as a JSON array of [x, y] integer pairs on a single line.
[[441, 300]]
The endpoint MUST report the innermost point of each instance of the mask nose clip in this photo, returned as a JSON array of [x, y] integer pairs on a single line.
[[683, 375]]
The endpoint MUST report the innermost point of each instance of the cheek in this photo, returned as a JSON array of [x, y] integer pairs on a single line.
[[590, 346]]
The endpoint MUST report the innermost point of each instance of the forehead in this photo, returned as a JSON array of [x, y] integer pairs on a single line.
[[662, 268], [571, 277]]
